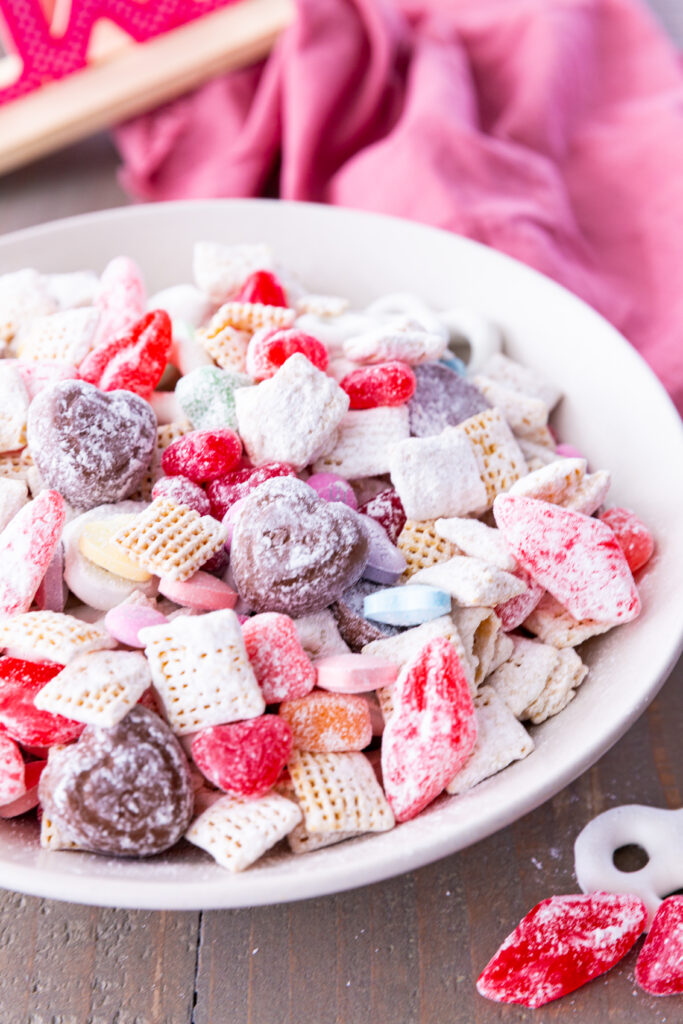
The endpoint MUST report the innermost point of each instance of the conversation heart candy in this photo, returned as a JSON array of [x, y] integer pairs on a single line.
[[123, 790], [92, 447], [352, 623], [385, 564], [407, 606], [354, 673], [125, 621], [442, 398], [202, 455], [244, 758], [332, 487], [206, 396], [292, 552], [202, 592]]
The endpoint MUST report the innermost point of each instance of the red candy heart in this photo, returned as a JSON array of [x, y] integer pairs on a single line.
[[27, 545], [264, 288], [244, 758], [269, 349], [225, 492], [12, 771], [575, 558], [20, 681], [202, 455], [133, 361], [561, 944], [431, 731], [387, 509], [633, 537], [384, 384], [659, 969], [282, 667]]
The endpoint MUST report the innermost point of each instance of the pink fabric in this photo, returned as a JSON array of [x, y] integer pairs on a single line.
[[549, 129]]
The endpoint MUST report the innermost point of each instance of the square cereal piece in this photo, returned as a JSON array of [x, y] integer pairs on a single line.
[[66, 337], [472, 582], [51, 838], [553, 624], [23, 297], [251, 317], [537, 455], [522, 679], [292, 416], [399, 338], [300, 840], [498, 455], [51, 636], [477, 540], [98, 688], [339, 793], [226, 346], [513, 375], [319, 635], [221, 270], [501, 739], [502, 651], [13, 496], [524, 414], [364, 442], [201, 671], [237, 832], [438, 475], [566, 677], [170, 540], [422, 546], [321, 305], [16, 465], [479, 629], [591, 493], [14, 402], [556, 482], [541, 436]]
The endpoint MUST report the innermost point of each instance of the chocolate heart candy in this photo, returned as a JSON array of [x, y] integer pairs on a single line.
[[91, 446], [442, 399], [124, 790], [292, 552]]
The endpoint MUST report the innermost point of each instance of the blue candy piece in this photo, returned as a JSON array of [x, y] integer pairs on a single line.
[[386, 564], [453, 362], [407, 606]]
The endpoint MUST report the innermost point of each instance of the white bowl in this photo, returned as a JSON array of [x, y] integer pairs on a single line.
[[615, 411]]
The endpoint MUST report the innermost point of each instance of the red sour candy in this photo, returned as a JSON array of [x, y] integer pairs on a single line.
[[633, 537], [659, 969], [384, 384], [20, 681], [244, 758], [225, 492], [514, 611], [202, 455], [430, 733], [133, 361], [262, 287], [282, 667], [182, 491], [12, 772], [574, 557], [561, 944], [269, 349], [387, 509], [27, 545]]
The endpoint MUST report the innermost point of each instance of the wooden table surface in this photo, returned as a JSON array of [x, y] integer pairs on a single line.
[[399, 952]]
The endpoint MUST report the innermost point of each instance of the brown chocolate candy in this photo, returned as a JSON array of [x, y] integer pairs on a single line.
[[124, 790]]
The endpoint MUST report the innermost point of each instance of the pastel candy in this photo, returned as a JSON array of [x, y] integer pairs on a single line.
[[207, 396], [386, 564], [230, 519], [354, 673], [125, 621], [443, 398], [95, 543], [52, 592], [333, 487], [354, 628], [201, 592], [453, 362], [568, 451], [407, 606]]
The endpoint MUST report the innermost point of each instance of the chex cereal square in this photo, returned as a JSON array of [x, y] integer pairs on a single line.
[[236, 832], [98, 688], [51, 636], [339, 793], [364, 442], [501, 739]]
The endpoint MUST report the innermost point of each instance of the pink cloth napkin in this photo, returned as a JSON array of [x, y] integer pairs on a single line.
[[549, 129]]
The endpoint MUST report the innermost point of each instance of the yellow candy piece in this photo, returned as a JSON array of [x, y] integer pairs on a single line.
[[95, 543]]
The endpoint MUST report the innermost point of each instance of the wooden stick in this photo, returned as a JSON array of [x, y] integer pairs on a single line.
[[139, 78]]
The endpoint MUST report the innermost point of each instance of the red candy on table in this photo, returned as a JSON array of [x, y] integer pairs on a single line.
[[270, 348], [574, 557], [246, 758], [133, 361], [386, 509], [383, 384], [12, 772], [430, 733], [633, 536], [659, 968], [27, 545], [20, 681], [561, 944], [225, 492], [281, 666], [202, 455], [262, 287]]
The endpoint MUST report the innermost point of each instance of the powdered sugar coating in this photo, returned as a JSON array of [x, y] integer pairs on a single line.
[[442, 398], [26, 547], [282, 668], [124, 790], [659, 969], [182, 491], [92, 447]]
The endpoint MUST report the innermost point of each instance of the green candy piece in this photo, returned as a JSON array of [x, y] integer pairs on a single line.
[[207, 396]]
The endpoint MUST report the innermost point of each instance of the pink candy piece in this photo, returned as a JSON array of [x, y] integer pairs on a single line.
[[183, 492], [568, 451], [202, 455], [52, 592], [269, 349], [574, 557], [332, 487], [230, 518], [125, 621], [387, 510], [282, 667], [513, 612], [240, 482], [201, 592], [121, 300], [26, 547], [43, 374], [12, 776], [29, 799], [388, 384], [354, 673]]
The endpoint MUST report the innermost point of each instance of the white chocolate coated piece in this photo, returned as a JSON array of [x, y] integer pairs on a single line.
[[659, 832], [474, 338]]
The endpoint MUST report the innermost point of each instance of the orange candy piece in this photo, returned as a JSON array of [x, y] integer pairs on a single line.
[[325, 723]]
